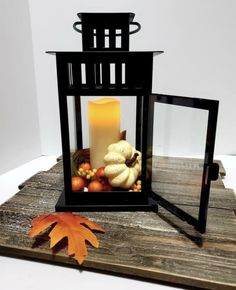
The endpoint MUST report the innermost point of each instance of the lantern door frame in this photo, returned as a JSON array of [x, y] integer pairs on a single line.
[[210, 169]]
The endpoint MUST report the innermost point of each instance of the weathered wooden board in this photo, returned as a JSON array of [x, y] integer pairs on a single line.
[[143, 244]]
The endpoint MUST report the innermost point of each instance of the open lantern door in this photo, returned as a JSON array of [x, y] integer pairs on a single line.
[[180, 140]]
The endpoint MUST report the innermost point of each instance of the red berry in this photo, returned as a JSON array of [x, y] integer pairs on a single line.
[[107, 186], [100, 173]]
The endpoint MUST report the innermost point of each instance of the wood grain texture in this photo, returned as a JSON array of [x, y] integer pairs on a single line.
[[143, 244]]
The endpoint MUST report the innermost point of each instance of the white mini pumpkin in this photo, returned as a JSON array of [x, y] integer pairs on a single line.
[[122, 164]]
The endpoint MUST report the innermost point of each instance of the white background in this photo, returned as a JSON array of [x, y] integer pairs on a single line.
[[19, 120], [198, 37]]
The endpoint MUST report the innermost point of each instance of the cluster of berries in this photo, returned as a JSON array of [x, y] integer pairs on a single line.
[[136, 186], [87, 173], [89, 179]]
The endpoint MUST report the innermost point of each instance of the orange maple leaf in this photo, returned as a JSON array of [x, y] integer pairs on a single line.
[[76, 228]]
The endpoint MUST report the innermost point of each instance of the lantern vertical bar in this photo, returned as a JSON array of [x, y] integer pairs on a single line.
[[78, 122], [100, 33], [105, 74], [130, 73], [62, 78], [87, 36], [209, 153], [125, 36], [149, 138], [112, 38], [90, 74], [77, 80], [138, 134], [118, 74], [97, 74], [145, 113]]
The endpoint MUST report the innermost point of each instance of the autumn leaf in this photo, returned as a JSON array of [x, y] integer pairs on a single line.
[[76, 228]]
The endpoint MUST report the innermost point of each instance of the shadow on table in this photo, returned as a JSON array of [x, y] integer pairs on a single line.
[[182, 228]]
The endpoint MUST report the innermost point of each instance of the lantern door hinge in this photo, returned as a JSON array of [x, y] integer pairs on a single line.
[[212, 172]]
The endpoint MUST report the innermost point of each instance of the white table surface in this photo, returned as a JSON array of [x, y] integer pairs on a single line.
[[24, 274]]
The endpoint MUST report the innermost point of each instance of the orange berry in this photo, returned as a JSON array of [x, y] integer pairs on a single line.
[[77, 183], [95, 186], [85, 166]]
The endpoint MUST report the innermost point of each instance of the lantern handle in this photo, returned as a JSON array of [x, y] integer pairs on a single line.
[[118, 34], [135, 30], [75, 28]]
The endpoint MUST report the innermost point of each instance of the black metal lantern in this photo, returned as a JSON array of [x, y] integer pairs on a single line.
[[107, 68]]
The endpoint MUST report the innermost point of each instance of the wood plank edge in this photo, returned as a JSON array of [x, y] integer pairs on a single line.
[[107, 268]]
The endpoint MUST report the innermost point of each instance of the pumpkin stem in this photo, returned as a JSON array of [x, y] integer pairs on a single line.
[[129, 162]]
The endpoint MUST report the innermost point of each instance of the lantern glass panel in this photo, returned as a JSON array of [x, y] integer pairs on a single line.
[[179, 141], [103, 121]]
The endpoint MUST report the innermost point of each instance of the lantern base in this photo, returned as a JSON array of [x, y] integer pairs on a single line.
[[62, 206]]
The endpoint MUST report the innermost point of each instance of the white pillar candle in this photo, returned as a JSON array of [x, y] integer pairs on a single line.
[[104, 127]]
